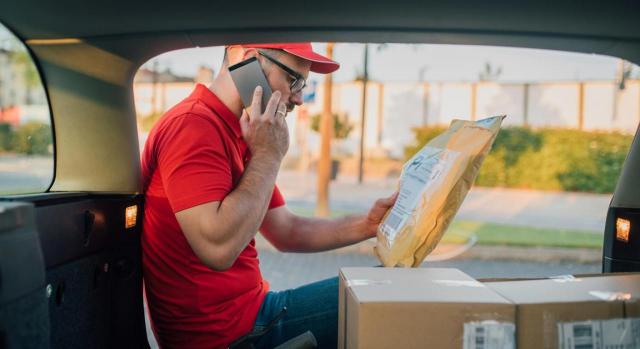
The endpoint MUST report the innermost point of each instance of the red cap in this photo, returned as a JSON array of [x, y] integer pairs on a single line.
[[319, 63]]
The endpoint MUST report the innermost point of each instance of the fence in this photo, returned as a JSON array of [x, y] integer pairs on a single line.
[[393, 109]]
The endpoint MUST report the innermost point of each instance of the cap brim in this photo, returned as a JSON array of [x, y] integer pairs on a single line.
[[319, 63]]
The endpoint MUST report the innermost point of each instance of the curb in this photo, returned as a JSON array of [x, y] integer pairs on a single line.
[[534, 254], [479, 252]]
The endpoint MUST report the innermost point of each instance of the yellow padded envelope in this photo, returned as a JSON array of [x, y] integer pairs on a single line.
[[433, 185]]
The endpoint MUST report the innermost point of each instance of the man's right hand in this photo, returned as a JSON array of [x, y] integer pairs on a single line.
[[266, 134]]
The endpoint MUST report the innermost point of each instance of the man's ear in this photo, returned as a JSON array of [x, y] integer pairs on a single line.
[[248, 53], [237, 54]]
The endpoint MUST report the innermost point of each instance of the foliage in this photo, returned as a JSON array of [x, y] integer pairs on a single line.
[[489, 73], [32, 138], [149, 120], [547, 159], [6, 137], [341, 125]]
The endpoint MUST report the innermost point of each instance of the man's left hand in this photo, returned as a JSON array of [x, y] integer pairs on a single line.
[[376, 213]]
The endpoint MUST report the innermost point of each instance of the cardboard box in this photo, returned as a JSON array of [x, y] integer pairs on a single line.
[[420, 308], [544, 305], [624, 282]]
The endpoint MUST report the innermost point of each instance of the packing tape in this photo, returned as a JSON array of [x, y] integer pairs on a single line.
[[460, 283], [611, 296], [365, 282]]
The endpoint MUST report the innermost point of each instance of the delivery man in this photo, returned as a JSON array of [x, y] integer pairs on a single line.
[[209, 170]]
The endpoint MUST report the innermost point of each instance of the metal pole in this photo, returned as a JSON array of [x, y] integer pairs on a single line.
[[425, 103], [326, 130], [154, 83], [474, 100], [526, 106], [365, 78], [380, 113], [581, 106]]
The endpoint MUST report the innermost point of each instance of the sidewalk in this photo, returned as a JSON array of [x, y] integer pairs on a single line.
[[553, 210]]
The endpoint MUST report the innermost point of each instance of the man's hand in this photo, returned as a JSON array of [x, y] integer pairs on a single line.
[[374, 217], [266, 134]]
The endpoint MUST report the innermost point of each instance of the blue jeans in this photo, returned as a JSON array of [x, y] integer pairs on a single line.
[[312, 307]]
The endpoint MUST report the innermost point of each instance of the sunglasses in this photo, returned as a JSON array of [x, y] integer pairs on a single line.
[[298, 82]]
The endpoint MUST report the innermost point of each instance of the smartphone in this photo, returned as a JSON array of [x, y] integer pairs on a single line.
[[247, 75]]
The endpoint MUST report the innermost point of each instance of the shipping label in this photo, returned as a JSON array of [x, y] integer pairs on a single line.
[[489, 335], [425, 169], [600, 334]]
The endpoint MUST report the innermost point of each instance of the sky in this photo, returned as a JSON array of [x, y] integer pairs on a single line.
[[427, 62]]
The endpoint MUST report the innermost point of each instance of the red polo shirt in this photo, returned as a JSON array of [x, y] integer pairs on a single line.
[[195, 154]]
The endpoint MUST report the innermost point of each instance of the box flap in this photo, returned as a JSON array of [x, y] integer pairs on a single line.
[[581, 289], [436, 285]]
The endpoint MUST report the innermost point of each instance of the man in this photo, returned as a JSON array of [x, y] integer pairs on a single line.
[[209, 169]]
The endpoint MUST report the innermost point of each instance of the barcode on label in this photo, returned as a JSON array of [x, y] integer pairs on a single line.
[[393, 221], [489, 335], [583, 336], [600, 334]]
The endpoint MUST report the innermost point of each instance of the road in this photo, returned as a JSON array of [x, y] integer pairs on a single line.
[[22, 174], [532, 208]]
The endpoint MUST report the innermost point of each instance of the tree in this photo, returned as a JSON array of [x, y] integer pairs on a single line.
[[149, 120], [324, 163], [489, 73], [32, 138], [22, 62], [623, 73], [341, 125], [6, 137], [364, 78]]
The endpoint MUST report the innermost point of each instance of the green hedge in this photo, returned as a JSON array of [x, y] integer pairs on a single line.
[[547, 159], [31, 138]]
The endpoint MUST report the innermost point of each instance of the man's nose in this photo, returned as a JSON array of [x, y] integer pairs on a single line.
[[296, 98]]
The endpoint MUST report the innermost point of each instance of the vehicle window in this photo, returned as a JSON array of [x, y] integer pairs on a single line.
[[545, 186], [26, 139]]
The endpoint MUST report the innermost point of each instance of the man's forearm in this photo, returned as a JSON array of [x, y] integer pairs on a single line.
[[322, 234], [243, 210]]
